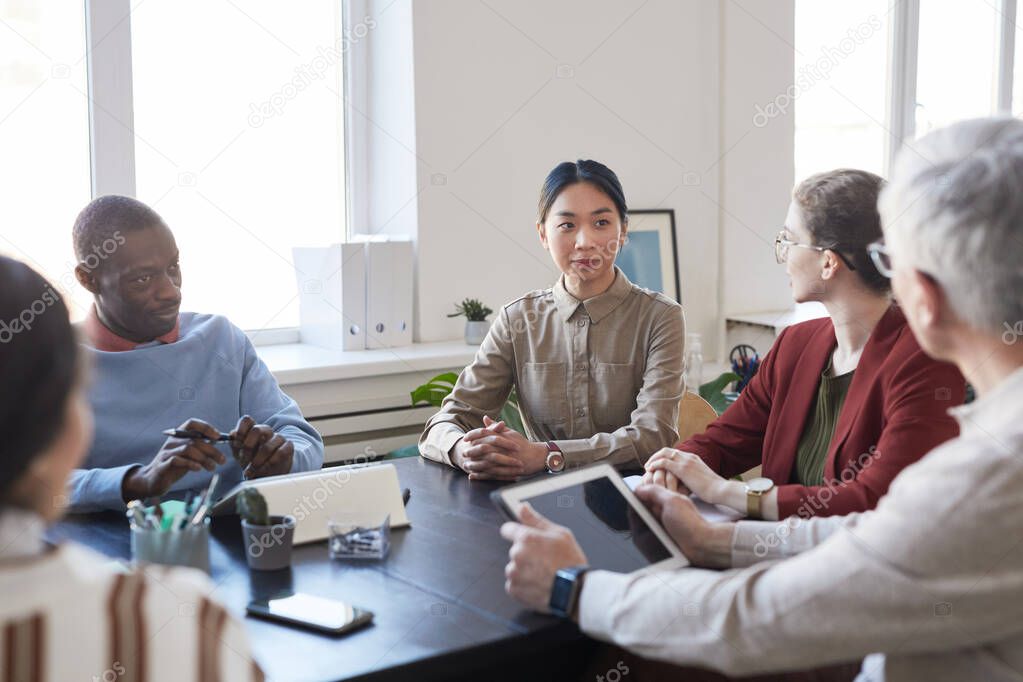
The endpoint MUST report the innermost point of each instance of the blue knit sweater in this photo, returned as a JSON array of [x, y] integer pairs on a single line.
[[211, 373]]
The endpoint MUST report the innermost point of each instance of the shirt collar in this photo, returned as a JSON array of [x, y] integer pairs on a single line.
[[1000, 402], [101, 338], [598, 307]]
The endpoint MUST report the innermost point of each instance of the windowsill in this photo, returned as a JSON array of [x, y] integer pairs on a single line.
[[301, 363]]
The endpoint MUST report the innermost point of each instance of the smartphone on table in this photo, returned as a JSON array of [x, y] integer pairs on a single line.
[[310, 611]]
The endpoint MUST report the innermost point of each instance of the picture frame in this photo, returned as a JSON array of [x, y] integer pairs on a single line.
[[650, 256]]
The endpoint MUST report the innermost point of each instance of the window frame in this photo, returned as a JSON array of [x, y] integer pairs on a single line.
[[903, 55], [112, 129]]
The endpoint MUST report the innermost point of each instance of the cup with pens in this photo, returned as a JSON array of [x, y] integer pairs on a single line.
[[174, 532], [745, 362]]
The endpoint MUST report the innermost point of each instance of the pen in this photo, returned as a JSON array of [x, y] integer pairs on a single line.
[[204, 501], [194, 435], [135, 515]]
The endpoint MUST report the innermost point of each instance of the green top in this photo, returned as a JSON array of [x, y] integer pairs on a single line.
[[820, 427]]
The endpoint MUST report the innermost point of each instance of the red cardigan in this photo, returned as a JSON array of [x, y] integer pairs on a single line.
[[894, 413]]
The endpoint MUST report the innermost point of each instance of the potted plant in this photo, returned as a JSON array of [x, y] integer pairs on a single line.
[[476, 325], [268, 539]]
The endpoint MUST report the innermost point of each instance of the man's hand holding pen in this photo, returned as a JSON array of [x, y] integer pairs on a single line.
[[192, 447], [177, 456], [260, 452]]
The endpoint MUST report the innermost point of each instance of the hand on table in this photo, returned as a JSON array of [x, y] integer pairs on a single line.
[[498, 452], [686, 473]]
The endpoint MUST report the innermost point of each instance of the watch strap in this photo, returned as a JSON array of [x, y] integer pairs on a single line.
[[753, 498]]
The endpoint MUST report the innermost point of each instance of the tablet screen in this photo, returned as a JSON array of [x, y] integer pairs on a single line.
[[611, 534]]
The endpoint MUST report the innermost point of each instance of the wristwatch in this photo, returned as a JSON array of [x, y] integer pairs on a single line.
[[555, 458], [565, 590], [755, 489]]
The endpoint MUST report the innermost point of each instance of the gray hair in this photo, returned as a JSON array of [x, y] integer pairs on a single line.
[[954, 210]]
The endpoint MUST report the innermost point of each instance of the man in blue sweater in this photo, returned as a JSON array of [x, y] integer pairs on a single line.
[[158, 368]]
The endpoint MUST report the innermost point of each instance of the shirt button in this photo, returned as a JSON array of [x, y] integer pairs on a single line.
[[582, 323], [580, 412]]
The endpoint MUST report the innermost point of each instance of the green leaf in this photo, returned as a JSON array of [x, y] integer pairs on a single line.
[[510, 414], [435, 390], [473, 309], [712, 391]]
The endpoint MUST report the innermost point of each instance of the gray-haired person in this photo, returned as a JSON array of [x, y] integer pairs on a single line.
[[928, 586]]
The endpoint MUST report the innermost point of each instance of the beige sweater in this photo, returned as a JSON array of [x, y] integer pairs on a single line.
[[929, 586]]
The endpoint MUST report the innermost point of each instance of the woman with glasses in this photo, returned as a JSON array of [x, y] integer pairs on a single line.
[[840, 405]]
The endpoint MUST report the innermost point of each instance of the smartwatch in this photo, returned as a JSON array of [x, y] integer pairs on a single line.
[[555, 458], [565, 590]]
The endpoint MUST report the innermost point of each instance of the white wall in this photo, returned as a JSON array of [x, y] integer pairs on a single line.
[[758, 61], [661, 91]]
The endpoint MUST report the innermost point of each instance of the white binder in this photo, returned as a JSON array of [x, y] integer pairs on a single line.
[[314, 497], [389, 264], [332, 295]]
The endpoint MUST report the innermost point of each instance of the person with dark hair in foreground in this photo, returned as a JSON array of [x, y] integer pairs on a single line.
[[158, 368], [841, 404], [596, 361], [67, 613], [928, 586]]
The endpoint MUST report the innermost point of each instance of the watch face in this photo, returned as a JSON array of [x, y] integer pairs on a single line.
[[561, 594], [759, 485], [555, 461]]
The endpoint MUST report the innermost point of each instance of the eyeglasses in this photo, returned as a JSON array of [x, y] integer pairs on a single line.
[[782, 245], [882, 258]]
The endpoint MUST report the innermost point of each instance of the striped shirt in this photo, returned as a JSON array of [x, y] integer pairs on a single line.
[[69, 614]]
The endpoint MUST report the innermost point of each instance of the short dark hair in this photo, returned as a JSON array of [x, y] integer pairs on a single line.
[[840, 210], [39, 363], [583, 170], [105, 217]]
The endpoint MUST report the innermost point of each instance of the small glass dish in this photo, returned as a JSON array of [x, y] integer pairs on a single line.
[[359, 536]]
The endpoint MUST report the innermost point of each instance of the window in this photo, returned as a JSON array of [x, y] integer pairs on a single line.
[[957, 73], [44, 135], [240, 144], [841, 53], [231, 126], [929, 63]]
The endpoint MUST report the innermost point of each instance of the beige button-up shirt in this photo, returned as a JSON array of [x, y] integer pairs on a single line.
[[602, 378], [928, 586]]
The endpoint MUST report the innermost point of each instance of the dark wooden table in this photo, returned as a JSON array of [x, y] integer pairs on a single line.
[[439, 602]]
